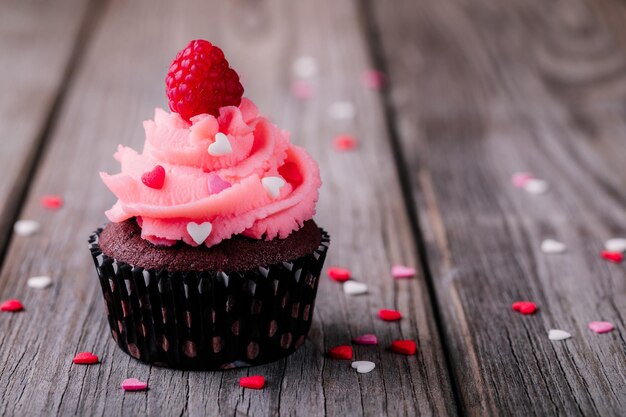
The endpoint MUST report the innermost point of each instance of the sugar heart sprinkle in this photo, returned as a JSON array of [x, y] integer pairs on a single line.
[[363, 367], [221, 146], [536, 186], [11, 306], [199, 232], [519, 179], [253, 382], [354, 288], [389, 315], [52, 202], [341, 110], [340, 352], [557, 334], [338, 274], [133, 384], [345, 142], [372, 79], [26, 227], [401, 271], [524, 307], [302, 89], [273, 185], [615, 257], [601, 326], [216, 184], [365, 339], [39, 282], [405, 347], [155, 178], [552, 246], [85, 358], [304, 67], [617, 244]]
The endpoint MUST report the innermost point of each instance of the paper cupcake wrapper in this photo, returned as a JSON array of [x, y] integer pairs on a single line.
[[209, 320]]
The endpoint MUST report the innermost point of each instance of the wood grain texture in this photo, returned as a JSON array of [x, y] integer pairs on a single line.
[[480, 90], [37, 41], [119, 82]]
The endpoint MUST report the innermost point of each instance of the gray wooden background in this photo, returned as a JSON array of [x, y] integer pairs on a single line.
[[477, 89]]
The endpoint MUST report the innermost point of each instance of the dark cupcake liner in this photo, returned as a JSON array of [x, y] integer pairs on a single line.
[[209, 320]]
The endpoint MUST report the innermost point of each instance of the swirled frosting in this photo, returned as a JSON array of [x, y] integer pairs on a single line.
[[234, 174]]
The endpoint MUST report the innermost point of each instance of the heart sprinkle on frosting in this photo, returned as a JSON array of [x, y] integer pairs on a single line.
[[221, 146], [199, 232], [273, 185], [155, 178]]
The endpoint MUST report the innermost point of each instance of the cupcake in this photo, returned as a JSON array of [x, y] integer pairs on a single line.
[[211, 259]]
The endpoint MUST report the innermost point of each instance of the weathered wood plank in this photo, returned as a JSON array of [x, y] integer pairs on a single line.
[[37, 42], [119, 83], [481, 89]]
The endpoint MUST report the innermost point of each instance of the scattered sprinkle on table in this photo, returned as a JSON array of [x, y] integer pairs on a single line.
[[615, 257], [252, 382], [345, 142], [601, 326], [52, 202], [557, 334], [39, 282], [302, 89], [519, 179], [339, 274], [26, 227], [536, 186], [304, 67], [85, 358], [372, 79], [363, 367], [617, 244], [401, 271], [11, 306], [365, 339], [405, 347], [133, 384], [341, 110], [552, 246], [340, 352], [524, 307], [389, 315], [354, 288]]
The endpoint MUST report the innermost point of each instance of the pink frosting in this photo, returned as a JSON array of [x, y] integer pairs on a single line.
[[260, 185]]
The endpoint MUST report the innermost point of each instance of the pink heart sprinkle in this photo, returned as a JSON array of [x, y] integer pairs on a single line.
[[373, 79], [519, 179], [345, 142], [216, 184], [601, 326], [365, 339], [302, 89], [133, 384], [401, 271]]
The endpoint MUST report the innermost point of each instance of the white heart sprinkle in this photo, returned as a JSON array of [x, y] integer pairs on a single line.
[[354, 288], [39, 282], [26, 227], [556, 334], [553, 246], [536, 186], [617, 244], [363, 367], [221, 146], [273, 185], [305, 67], [341, 110], [199, 232]]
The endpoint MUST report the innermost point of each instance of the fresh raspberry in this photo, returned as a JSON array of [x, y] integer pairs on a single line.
[[200, 80]]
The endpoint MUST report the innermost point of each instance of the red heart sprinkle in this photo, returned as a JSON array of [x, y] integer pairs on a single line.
[[155, 178], [339, 274], [340, 352], [524, 307], [12, 306], [616, 257], [406, 347], [51, 202], [389, 315], [254, 382], [345, 142], [85, 358]]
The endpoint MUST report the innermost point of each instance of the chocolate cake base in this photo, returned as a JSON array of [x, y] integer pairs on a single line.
[[203, 318]]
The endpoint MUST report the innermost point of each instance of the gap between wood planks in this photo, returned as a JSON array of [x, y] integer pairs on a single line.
[[89, 21], [372, 35]]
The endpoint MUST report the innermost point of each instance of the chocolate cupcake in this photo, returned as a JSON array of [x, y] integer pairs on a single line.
[[212, 259]]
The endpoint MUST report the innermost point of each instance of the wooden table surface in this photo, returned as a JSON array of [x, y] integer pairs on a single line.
[[476, 90]]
